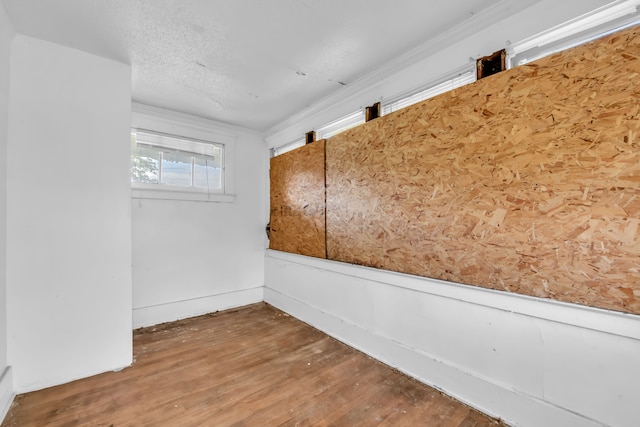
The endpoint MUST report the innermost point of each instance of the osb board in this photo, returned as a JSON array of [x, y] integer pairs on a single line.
[[527, 181], [298, 201]]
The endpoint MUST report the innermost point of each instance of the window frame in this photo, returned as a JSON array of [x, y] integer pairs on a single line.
[[161, 149], [454, 79], [325, 131], [285, 148], [162, 122], [341, 124], [583, 29]]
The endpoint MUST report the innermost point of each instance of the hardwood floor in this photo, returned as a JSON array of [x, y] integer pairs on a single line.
[[253, 366]]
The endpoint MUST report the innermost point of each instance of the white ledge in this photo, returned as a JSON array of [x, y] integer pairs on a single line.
[[187, 195], [613, 322]]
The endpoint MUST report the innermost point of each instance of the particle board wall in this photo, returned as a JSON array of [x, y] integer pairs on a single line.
[[298, 201], [527, 181]]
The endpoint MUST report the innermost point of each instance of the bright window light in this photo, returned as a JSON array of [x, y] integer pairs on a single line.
[[453, 80], [167, 161], [340, 125], [276, 151], [583, 29], [327, 131]]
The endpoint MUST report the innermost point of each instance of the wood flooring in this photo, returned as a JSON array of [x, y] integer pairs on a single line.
[[254, 366]]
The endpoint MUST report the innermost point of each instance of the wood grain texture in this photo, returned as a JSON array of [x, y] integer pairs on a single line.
[[298, 201], [527, 181], [255, 366]]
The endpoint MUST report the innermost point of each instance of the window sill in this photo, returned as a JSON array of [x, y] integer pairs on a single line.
[[181, 194]]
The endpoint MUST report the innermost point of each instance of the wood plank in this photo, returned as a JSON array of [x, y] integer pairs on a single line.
[[254, 366], [298, 201], [526, 181]]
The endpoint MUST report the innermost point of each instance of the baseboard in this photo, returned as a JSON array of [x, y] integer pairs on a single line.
[[511, 406], [169, 312], [6, 392]]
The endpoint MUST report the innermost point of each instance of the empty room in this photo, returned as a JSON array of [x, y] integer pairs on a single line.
[[320, 213]]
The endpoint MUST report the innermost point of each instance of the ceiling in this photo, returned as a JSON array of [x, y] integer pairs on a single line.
[[251, 63]]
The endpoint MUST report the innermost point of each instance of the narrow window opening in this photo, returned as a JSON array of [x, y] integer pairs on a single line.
[[310, 137], [598, 23], [455, 79], [491, 64], [372, 112], [341, 124]]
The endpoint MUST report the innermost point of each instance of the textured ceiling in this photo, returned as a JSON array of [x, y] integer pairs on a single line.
[[251, 63]]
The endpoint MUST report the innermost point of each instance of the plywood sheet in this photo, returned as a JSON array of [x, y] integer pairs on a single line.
[[298, 201], [527, 181]]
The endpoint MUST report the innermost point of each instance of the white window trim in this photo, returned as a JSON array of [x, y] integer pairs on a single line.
[[454, 79], [168, 192], [328, 130], [162, 142], [289, 146], [583, 29], [341, 124], [167, 122]]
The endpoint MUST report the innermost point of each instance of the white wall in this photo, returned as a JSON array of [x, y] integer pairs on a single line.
[[530, 361], [6, 36], [68, 215], [195, 257]]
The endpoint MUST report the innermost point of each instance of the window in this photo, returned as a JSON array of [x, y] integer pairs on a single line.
[[459, 77], [455, 79], [340, 125], [327, 131], [160, 161], [285, 148], [593, 25]]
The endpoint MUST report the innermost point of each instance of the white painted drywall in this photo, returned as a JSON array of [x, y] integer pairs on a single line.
[[68, 215], [478, 36], [193, 257], [530, 361], [6, 36]]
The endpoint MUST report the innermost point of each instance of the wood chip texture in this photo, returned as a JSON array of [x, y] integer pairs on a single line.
[[298, 201], [527, 181]]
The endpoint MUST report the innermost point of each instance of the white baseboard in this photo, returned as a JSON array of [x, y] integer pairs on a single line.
[[169, 312], [491, 398], [7, 393]]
